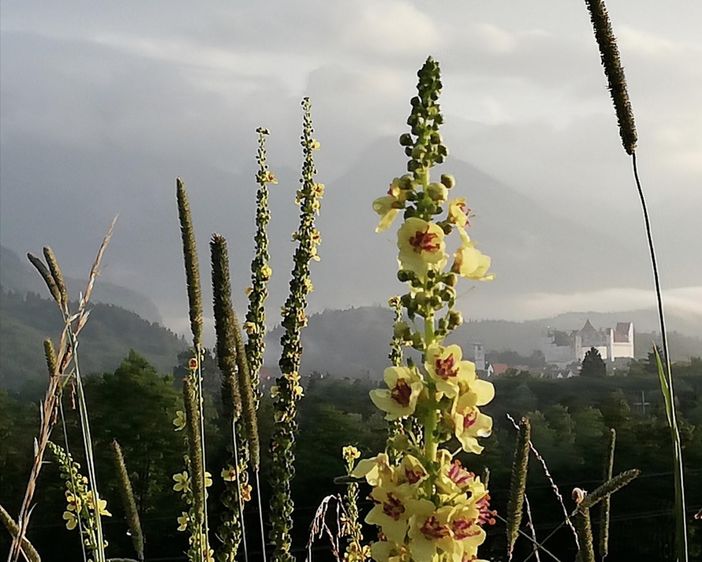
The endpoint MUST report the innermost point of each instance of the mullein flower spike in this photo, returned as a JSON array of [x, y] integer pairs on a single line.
[[50, 356], [81, 509], [46, 276], [261, 272], [57, 274], [192, 417], [427, 505], [288, 389]]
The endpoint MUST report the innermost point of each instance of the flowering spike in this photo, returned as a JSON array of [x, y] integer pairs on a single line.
[[50, 355], [517, 488], [224, 326], [288, 389], [583, 526], [260, 270], [11, 525], [192, 416], [57, 275], [46, 276], [609, 54], [608, 488], [130, 507], [192, 267]]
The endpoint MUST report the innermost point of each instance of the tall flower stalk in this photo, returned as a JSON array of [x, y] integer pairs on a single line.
[[609, 55], [288, 390], [427, 505], [193, 382]]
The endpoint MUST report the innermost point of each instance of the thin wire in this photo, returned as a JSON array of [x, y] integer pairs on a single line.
[[238, 493], [260, 515], [679, 473], [201, 408], [537, 544]]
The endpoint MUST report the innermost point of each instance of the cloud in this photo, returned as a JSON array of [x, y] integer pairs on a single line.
[[684, 301]]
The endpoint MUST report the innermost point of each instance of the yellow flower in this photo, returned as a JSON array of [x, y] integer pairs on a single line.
[[468, 535], [350, 453], [404, 386], [411, 470], [246, 490], [251, 328], [471, 263], [429, 530], [384, 551], [391, 511], [73, 502], [182, 482], [183, 521], [453, 479], [315, 145], [229, 474], [179, 421], [208, 479], [102, 505], [71, 520], [266, 272], [421, 245], [376, 470], [445, 366], [469, 422], [458, 212], [269, 177], [387, 207]]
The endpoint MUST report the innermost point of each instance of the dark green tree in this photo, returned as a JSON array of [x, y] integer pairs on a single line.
[[593, 364]]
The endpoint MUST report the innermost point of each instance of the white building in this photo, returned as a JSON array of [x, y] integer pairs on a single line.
[[562, 348]]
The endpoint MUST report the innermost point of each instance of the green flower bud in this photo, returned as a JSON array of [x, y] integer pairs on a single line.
[[437, 192], [448, 180], [406, 139]]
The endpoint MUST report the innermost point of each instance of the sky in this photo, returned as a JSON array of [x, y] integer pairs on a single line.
[[102, 105]]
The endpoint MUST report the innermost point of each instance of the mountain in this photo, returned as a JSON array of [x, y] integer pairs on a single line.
[[354, 342], [27, 319], [18, 276]]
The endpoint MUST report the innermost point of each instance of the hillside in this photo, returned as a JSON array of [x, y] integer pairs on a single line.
[[354, 342], [26, 320]]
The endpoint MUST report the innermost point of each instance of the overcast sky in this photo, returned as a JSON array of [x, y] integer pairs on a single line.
[[103, 104]]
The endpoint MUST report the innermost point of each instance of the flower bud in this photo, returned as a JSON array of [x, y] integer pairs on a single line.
[[405, 139], [437, 192], [448, 180]]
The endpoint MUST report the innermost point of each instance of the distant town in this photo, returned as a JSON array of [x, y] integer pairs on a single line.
[[562, 351]]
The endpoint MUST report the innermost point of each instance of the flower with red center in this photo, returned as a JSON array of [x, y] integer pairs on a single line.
[[430, 531], [377, 470], [458, 212], [400, 399], [421, 246], [469, 423], [390, 511], [411, 470], [446, 367], [465, 527]]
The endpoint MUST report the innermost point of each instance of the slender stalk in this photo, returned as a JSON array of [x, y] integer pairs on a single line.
[[260, 515], [678, 471], [130, 507], [605, 507], [28, 550]]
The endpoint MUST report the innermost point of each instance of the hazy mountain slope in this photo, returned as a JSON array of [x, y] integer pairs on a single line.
[[354, 342], [25, 321], [17, 275]]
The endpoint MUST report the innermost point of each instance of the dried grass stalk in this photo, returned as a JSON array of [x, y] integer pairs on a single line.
[[57, 274], [605, 507], [583, 525], [28, 550]]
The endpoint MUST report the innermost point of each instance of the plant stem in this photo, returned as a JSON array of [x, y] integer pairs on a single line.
[[679, 477]]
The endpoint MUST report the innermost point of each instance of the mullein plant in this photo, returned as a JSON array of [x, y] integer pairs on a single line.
[[82, 512], [128, 501], [351, 527], [614, 72], [287, 391], [235, 475], [427, 505]]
